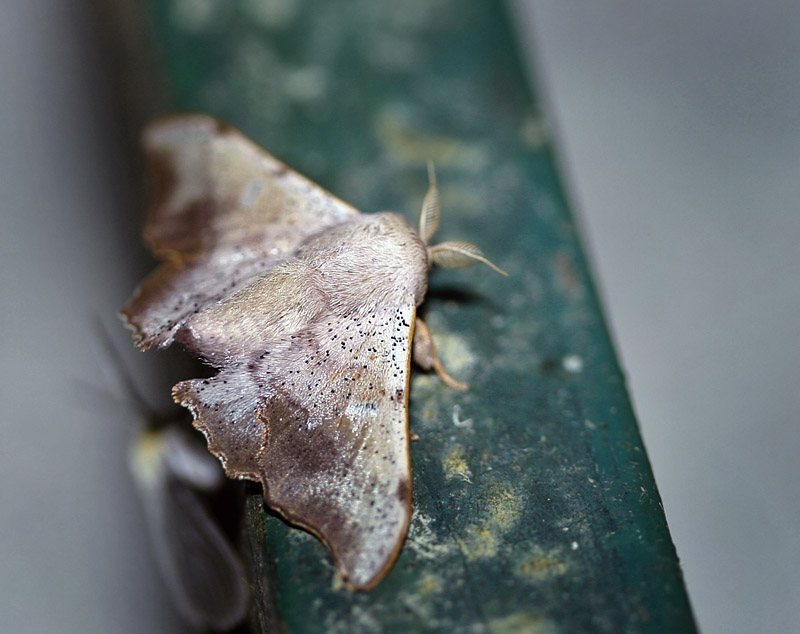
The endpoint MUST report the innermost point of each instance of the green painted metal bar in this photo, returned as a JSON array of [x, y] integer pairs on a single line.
[[535, 508]]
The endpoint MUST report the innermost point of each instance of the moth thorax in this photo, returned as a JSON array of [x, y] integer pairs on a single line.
[[376, 258], [399, 258]]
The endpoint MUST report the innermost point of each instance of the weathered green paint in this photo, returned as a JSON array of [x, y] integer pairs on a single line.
[[535, 509]]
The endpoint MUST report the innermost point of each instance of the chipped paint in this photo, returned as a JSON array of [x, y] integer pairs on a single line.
[[457, 421], [480, 542], [572, 363], [409, 146], [541, 565], [502, 510], [429, 583], [504, 507], [424, 542], [421, 606], [522, 623], [455, 466]]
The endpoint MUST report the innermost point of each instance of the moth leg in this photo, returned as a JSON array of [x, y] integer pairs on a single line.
[[425, 355]]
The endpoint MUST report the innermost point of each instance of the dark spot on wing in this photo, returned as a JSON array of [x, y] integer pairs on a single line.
[[403, 491]]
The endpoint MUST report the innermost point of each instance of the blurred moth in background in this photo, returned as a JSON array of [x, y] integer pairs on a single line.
[[173, 470], [175, 477]]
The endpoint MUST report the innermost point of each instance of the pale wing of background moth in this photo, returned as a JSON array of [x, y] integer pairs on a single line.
[[173, 473], [172, 470]]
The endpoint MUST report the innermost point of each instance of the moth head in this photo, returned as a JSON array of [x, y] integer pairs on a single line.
[[448, 255]]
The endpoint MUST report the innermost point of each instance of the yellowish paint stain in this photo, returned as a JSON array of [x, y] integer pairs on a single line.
[[522, 623], [539, 566], [502, 509], [455, 465], [429, 584]]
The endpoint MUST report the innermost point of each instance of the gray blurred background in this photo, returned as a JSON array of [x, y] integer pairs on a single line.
[[678, 127]]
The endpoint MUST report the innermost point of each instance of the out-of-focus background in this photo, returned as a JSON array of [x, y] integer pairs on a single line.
[[678, 127], [678, 130]]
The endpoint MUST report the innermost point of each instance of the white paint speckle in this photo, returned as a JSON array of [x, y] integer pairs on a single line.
[[457, 418], [572, 363], [306, 83]]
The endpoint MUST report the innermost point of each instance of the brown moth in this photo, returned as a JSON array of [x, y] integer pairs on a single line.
[[307, 309]]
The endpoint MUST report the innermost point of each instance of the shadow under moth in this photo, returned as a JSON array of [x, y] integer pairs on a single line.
[[307, 310]]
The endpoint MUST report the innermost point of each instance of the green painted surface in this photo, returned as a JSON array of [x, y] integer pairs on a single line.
[[535, 508]]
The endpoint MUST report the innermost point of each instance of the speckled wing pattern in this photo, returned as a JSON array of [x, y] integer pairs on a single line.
[[224, 212], [308, 315], [333, 452]]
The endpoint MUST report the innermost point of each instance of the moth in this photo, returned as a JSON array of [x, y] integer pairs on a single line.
[[306, 309], [174, 474], [201, 570]]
